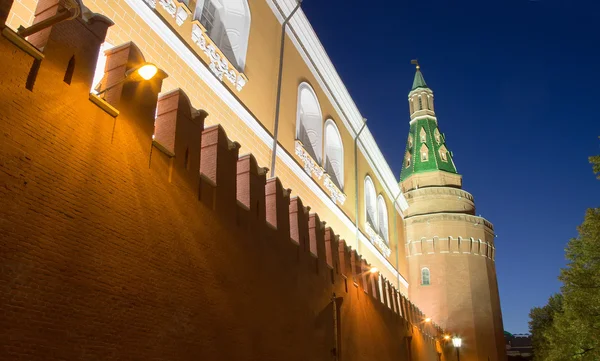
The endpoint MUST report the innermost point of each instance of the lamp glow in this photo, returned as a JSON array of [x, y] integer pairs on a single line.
[[457, 342], [373, 270], [446, 337], [428, 320], [147, 71]]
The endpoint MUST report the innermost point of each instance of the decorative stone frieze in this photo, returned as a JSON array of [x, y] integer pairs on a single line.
[[376, 239], [169, 6], [310, 165], [466, 245], [181, 15], [334, 192], [219, 64]]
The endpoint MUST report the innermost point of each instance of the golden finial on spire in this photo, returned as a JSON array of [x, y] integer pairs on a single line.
[[415, 62]]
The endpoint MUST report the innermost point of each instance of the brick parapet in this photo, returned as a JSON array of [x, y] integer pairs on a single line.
[[146, 230]]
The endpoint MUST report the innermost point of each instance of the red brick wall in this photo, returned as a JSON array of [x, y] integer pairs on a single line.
[[111, 249]]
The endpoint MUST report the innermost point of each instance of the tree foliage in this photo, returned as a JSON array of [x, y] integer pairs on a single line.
[[541, 320], [568, 327], [595, 160]]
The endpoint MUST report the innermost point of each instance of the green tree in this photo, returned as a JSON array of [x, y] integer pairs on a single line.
[[568, 327], [595, 160], [581, 289], [542, 320]]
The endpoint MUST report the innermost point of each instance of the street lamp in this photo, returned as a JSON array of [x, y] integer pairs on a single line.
[[145, 71], [427, 320], [457, 342]]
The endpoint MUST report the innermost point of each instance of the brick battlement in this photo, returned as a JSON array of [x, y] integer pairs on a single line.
[[150, 236]]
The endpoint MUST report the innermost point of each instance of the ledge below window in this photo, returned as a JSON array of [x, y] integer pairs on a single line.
[[376, 239], [310, 165], [337, 196]]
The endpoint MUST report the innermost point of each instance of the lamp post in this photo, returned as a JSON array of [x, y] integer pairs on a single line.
[[457, 342]]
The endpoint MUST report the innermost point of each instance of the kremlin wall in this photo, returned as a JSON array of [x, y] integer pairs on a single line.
[[115, 246]]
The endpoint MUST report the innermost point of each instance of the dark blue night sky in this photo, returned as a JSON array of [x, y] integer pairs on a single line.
[[516, 85]]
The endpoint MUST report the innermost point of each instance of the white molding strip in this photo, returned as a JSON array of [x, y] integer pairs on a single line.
[[161, 29], [310, 48]]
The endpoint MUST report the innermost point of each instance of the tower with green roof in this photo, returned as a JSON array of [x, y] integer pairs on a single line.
[[426, 148], [450, 251]]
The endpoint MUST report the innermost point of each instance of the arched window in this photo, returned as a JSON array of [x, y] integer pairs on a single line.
[[334, 154], [370, 203], [382, 219], [420, 103], [423, 135], [425, 276], [407, 160], [309, 122], [424, 153], [227, 23], [437, 136], [443, 153]]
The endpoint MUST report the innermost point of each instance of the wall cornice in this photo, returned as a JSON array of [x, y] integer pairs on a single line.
[[416, 193], [476, 220]]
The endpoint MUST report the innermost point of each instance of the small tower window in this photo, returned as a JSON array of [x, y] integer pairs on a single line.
[[437, 136], [407, 159], [443, 156], [420, 103], [412, 108], [425, 277], [423, 135], [424, 96], [410, 141], [443, 153], [424, 153]]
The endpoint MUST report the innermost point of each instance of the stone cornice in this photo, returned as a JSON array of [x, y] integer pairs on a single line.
[[475, 220], [415, 193]]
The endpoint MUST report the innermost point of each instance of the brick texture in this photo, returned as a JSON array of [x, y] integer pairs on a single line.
[[111, 249]]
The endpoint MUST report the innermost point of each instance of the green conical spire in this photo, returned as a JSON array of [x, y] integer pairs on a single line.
[[419, 81], [426, 148]]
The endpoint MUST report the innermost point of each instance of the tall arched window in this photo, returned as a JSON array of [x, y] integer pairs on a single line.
[[370, 203], [382, 219], [334, 154], [309, 122], [425, 276], [227, 23]]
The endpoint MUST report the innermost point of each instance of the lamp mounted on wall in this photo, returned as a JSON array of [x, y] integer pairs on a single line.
[[146, 71]]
